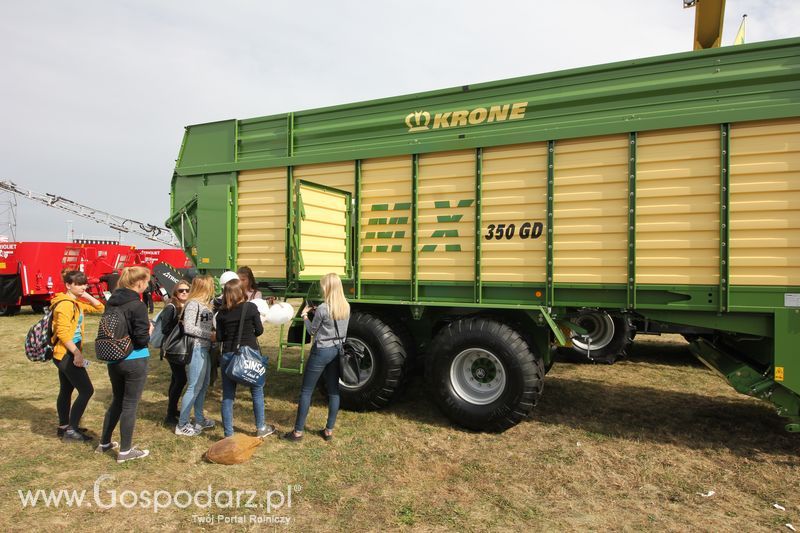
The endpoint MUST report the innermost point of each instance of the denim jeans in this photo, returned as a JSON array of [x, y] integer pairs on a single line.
[[198, 373], [321, 362], [229, 394]]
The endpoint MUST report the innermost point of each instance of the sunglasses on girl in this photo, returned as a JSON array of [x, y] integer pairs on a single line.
[[179, 291]]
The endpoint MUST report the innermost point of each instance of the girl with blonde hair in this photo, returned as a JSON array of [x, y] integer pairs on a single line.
[[329, 329], [198, 323], [129, 375]]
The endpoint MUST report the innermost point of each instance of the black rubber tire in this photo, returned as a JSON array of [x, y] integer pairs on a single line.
[[389, 364], [523, 369], [39, 308], [617, 347], [9, 310]]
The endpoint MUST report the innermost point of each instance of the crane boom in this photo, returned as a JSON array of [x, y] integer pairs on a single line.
[[148, 231]]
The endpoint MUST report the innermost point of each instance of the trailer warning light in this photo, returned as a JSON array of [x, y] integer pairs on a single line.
[[538, 294]]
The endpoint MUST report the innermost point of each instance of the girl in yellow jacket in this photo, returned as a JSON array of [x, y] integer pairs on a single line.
[[68, 308]]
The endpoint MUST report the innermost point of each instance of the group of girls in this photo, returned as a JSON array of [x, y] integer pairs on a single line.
[[193, 304]]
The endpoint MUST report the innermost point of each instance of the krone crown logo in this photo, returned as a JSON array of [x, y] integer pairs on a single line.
[[418, 121]]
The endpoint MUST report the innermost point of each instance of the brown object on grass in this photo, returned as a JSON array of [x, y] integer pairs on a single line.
[[233, 450]]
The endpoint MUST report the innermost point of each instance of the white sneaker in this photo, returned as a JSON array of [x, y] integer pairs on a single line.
[[132, 454], [186, 431]]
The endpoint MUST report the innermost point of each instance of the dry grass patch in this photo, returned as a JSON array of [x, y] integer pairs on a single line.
[[622, 447]]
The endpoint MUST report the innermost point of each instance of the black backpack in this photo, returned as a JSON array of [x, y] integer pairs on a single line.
[[113, 342], [39, 340]]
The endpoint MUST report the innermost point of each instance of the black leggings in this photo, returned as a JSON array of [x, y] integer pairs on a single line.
[[176, 385], [127, 383], [72, 377]]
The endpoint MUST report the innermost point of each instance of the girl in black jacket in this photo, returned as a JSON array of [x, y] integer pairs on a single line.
[[234, 304], [169, 319], [129, 375]]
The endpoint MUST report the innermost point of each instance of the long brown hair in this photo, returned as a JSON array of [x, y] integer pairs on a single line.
[[233, 295], [251, 279], [175, 300]]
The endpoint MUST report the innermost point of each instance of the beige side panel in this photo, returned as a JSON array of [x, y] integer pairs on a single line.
[[514, 191], [386, 218], [341, 175], [765, 203], [323, 232], [261, 211], [446, 216], [677, 206], [590, 237]]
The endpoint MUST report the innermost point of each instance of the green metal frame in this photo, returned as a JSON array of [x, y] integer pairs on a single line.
[[414, 228], [290, 260], [478, 223], [290, 134], [724, 218], [234, 218], [283, 344], [632, 221], [236, 141], [357, 230], [550, 282]]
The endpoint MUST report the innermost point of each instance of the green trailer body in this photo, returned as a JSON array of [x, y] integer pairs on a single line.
[[471, 224]]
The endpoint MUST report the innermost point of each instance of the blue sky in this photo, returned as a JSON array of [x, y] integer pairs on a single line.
[[95, 94]]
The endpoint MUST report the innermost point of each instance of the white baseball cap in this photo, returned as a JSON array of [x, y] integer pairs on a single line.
[[226, 277]]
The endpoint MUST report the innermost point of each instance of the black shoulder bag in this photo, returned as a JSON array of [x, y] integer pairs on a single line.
[[177, 346], [349, 358]]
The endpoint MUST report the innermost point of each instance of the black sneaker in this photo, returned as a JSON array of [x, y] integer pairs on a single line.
[[171, 421], [70, 435], [291, 436], [103, 448]]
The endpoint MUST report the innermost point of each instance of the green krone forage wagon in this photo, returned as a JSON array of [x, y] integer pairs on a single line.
[[478, 227]]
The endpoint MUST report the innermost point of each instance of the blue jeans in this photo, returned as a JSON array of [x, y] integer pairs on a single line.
[[198, 374], [229, 394], [321, 361]]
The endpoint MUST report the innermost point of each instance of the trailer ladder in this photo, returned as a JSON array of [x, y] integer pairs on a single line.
[[283, 339]]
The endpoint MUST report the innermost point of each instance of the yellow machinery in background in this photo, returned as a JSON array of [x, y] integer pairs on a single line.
[[708, 18]]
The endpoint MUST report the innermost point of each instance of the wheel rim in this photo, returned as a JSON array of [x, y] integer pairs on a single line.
[[477, 376], [366, 363], [600, 331]]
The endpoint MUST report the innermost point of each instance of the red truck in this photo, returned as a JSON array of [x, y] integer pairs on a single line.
[[30, 272]]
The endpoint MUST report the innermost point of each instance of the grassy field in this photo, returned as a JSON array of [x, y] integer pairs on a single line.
[[627, 447]]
